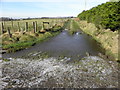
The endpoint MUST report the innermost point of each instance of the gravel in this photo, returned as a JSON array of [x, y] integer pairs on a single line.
[[90, 72]]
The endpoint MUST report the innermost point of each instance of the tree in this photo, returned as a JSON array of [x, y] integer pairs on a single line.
[[106, 15], [114, 0]]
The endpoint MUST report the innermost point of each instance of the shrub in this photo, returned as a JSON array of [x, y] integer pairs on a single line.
[[106, 15]]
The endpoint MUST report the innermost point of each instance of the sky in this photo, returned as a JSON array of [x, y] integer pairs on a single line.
[[45, 8]]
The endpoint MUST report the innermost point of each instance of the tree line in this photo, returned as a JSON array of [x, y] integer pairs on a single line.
[[11, 19], [106, 15]]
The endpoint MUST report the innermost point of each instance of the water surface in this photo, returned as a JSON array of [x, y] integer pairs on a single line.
[[52, 72], [74, 46]]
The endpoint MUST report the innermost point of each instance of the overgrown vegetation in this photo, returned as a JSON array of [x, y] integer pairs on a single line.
[[72, 26], [24, 39], [108, 40], [106, 16], [114, 0]]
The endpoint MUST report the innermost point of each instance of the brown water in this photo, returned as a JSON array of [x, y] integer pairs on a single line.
[[74, 46]]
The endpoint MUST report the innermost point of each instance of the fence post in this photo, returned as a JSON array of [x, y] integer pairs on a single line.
[[35, 26], [10, 35], [18, 26], [26, 28], [2, 27], [4, 24]]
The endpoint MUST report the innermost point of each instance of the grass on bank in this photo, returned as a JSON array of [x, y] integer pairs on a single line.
[[73, 27], [26, 42], [27, 39], [107, 38]]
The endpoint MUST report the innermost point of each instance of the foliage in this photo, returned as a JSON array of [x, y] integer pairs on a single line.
[[106, 15], [114, 0], [21, 41], [74, 27], [26, 42], [107, 40]]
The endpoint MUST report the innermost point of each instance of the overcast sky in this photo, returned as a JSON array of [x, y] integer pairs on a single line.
[[45, 8]]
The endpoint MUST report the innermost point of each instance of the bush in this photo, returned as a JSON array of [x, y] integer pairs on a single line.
[[106, 15]]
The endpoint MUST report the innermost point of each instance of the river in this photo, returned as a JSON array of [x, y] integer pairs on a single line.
[[88, 70], [74, 46]]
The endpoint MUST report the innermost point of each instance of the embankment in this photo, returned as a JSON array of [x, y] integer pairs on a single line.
[[23, 40], [108, 39]]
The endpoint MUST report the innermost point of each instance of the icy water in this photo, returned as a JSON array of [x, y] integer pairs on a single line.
[[34, 70]]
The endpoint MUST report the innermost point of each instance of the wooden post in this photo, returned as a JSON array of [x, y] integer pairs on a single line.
[[35, 26], [18, 26], [4, 24], [26, 28], [10, 35], [2, 27]]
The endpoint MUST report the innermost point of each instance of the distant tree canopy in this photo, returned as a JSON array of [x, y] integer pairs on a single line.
[[114, 0], [106, 15], [5, 19]]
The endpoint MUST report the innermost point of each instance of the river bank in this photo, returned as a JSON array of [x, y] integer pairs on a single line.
[[75, 46], [107, 38], [22, 40]]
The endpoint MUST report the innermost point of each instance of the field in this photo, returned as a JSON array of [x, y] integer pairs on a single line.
[[21, 24], [17, 35]]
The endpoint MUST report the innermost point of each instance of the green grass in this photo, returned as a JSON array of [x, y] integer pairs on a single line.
[[18, 46], [74, 27], [26, 40], [107, 39], [27, 43]]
